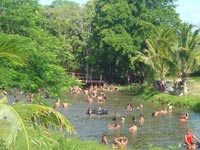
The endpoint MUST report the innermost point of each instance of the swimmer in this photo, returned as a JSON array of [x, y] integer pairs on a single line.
[[141, 120], [133, 128], [104, 139], [184, 117], [113, 126], [155, 113], [163, 111], [121, 142]]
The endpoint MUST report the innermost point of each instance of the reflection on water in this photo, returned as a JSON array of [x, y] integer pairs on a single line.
[[164, 131]]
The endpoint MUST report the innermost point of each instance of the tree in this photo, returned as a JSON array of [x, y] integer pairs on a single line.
[[158, 54], [188, 52], [120, 29], [19, 17], [88, 12], [12, 55], [65, 21], [42, 67], [111, 38]]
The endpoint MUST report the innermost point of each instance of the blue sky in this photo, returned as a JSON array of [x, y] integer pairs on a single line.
[[49, 1], [189, 10]]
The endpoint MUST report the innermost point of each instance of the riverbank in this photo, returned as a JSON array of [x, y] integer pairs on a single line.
[[77, 144], [147, 93]]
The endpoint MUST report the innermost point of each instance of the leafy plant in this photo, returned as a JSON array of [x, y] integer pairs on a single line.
[[32, 123]]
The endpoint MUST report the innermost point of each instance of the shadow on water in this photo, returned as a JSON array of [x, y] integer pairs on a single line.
[[163, 131]]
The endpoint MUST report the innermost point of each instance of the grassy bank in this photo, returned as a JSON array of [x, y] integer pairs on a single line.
[[146, 92], [76, 144]]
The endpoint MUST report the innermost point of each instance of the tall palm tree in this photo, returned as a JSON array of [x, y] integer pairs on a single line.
[[157, 55], [188, 52]]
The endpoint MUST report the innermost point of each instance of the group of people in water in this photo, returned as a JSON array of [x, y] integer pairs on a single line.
[[100, 98], [95, 95], [93, 88], [121, 142], [163, 111]]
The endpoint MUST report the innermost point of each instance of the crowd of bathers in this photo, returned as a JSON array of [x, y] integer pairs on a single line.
[[96, 94]]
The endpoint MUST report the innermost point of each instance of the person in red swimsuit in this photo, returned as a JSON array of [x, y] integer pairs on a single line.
[[184, 117], [190, 145]]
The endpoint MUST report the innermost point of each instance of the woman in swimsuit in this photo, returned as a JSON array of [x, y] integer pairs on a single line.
[[190, 145]]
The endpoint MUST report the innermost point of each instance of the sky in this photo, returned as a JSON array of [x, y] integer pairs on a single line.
[[189, 10], [49, 1]]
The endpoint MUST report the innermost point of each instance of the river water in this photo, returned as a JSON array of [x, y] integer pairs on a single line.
[[162, 131]]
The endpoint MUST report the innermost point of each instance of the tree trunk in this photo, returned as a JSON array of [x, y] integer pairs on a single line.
[[185, 89], [184, 80]]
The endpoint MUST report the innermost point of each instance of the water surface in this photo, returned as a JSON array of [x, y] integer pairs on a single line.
[[164, 131]]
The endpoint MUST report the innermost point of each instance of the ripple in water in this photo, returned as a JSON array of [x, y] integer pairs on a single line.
[[164, 131]]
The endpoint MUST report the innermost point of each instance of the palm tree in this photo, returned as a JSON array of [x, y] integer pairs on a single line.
[[157, 55], [30, 126], [188, 52]]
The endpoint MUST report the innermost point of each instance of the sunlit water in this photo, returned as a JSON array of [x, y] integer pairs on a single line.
[[164, 131]]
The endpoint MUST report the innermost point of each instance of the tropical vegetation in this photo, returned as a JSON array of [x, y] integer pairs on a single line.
[[143, 40]]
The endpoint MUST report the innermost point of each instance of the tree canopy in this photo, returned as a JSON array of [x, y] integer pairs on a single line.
[[116, 38], [120, 29], [102, 37]]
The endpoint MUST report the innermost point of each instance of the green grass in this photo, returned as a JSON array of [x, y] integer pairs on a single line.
[[76, 144], [146, 92], [194, 86]]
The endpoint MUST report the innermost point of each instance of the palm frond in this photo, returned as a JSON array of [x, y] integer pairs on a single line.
[[10, 124], [32, 122], [3, 100]]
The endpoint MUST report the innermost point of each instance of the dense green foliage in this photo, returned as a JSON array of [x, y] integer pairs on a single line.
[[29, 54], [121, 28], [116, 38]]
